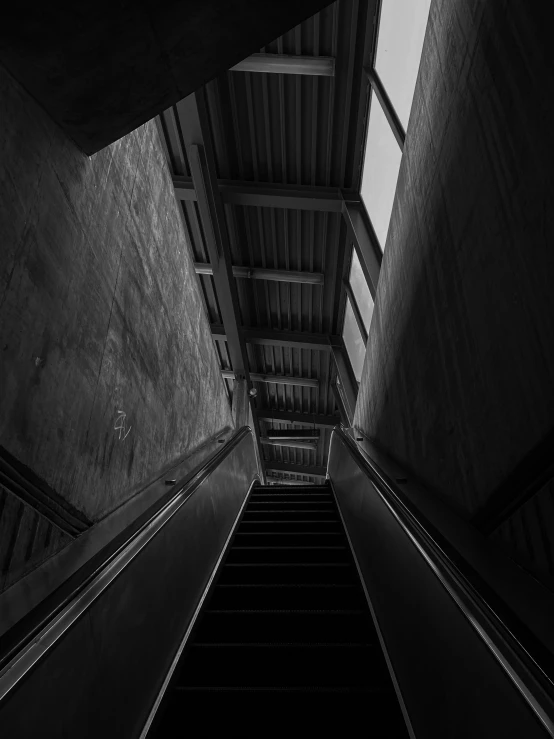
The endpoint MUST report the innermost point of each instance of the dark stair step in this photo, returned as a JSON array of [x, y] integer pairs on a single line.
[[326, 665], [291, 573], [249, 712], [286, 514], [292, 525], [285, 554], [292, 626], [292, 489], [300, 596], [294, 497], [288, 538], [279, 504]]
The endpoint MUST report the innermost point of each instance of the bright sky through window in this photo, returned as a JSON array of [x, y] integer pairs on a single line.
[[360, 289], [400, 39], [381, 165], [354, 342], [399, 44]]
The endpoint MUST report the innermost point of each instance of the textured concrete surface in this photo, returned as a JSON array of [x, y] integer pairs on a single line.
[[457, 383], [107, 365]]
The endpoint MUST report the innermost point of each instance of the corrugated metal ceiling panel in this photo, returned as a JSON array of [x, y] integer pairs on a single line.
[[295, 130]]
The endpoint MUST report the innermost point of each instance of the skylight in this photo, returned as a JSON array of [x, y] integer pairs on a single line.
[[399, 44], [353, 341], [401, 34], [381, 165], [361, 292]]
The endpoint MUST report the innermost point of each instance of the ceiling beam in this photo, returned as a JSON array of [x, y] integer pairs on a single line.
[[366, 243], [272, 480], [341, 404], [355, 310], [296, 469], [280, 379], [387, 106], [193, 121], [299, 197], [347, 385], [257, 273], [301, 434], [287, 339], [310, 446], [320, 66], [309, 419]]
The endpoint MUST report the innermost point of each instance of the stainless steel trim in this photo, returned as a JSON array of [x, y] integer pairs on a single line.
[[466, 600], [23, 661], [184, 641]]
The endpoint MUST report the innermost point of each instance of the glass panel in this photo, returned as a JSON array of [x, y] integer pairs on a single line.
[[401, 34], [360, 289], [354, 342], [381, 165]]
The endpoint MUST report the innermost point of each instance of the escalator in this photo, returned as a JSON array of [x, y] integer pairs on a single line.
[[364, 607], [285, 644]]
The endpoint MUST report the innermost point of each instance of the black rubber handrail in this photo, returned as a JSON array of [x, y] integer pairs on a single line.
[[28, 640], [527, 661]]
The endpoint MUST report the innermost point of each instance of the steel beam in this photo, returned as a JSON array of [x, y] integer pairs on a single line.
[[312, 447], [387, 106], [320, 66], [276, 275], [281, 481], [268, 196], [287, 339], [194, 126], [279, 379], [302, 434], [348, 383], [309, 419], [296, 469], [341, 405], [355, 310], [365, 241]]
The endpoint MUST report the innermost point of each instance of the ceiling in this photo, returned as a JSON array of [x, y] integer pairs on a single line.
[[271, 135]]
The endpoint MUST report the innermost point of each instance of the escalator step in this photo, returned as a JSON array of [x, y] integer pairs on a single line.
[[267, 525], [327, 503], [291, 573], [302, 595], [288, 538], [250, 712], [323, 664], [292, 626], [288, 554], [292, 496], [287, 515]]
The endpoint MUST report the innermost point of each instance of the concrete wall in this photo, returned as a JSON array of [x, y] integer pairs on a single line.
[[458, 383], [107, 366]]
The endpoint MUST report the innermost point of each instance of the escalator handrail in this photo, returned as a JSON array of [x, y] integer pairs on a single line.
[[49, 625], [520, 655]]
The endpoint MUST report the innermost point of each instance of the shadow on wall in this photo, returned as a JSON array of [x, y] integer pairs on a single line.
[[458, 379], [107, 365]]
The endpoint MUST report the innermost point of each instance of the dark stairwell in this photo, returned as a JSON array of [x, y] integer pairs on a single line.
[[284, 644]]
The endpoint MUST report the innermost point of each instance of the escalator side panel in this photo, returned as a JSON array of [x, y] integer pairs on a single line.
[[451, 685], [103, 675]]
